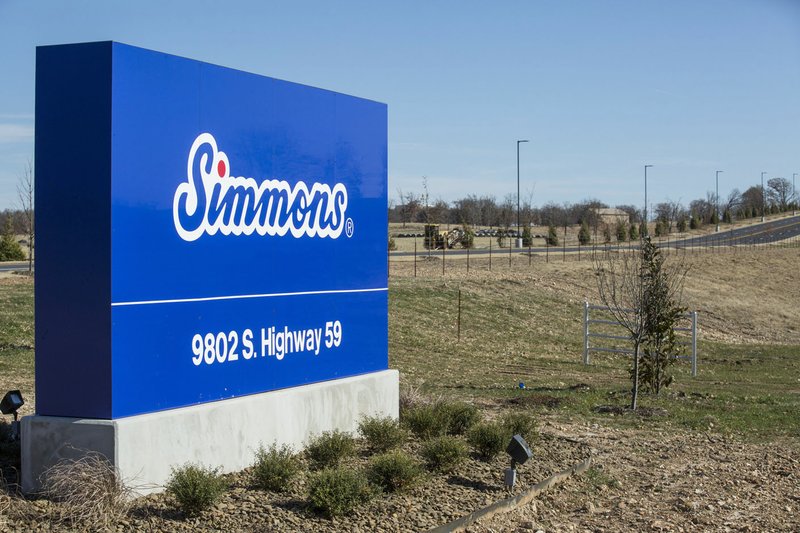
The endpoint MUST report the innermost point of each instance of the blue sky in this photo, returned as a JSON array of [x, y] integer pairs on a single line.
[[599, 87]]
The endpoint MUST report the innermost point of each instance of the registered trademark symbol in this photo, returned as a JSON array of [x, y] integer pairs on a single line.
[[348, 227]]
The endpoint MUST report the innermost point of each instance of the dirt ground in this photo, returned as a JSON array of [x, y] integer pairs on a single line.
[[685, 481]]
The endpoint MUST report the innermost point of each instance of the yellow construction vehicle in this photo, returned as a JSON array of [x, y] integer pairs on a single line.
[[436, 239]]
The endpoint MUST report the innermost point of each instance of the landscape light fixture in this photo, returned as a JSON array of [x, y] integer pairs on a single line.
[[520, 452], [519, 235], [9, 405]]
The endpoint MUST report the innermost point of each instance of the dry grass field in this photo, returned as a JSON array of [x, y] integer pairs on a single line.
[[713, 452]]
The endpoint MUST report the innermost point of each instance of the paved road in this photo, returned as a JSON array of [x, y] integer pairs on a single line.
[[774, 230], [771, 231], [6, 267]]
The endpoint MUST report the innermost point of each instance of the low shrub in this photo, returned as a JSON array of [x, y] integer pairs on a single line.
[[426, 421], [621, 231], [468, 239], [10, 250], [195, 487], [329, 448], [89, 492], [382, 433], [275, 468], [393, 471], [460, 416], [517, 423], [527, 236], [584, 237], [444, 454], [337, 491], [607, 233], [488, 439], [552, 236]]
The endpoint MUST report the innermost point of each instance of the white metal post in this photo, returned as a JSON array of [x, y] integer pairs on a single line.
[[694, 343], [585, 333]]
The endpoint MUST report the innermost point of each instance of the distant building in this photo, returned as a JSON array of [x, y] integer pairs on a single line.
[[611, 215]]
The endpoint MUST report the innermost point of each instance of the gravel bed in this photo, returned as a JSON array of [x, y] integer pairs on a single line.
[[437, 499]]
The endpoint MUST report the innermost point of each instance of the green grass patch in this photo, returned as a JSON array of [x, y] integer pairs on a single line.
[[16, 332], [513, 332]]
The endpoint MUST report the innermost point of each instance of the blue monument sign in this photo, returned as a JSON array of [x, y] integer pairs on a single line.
[[202, 233]]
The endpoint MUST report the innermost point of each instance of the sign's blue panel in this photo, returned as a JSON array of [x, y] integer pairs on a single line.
[[73, 225], [246, 234]]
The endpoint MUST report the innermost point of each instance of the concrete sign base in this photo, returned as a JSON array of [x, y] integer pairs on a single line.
[[225, 433]]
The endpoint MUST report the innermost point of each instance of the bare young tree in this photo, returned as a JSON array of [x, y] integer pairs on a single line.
[[642, 294], [734, 201], [25, 189], [506, 212], [779, 192], [425, 199], [409, 206]]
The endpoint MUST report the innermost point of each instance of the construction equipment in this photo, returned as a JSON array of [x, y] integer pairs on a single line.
[[436, 240]]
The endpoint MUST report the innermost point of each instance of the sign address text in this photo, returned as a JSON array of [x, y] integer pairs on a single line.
[[229, 346]]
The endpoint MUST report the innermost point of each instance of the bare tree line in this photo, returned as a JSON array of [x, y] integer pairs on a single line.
[[486, 210]]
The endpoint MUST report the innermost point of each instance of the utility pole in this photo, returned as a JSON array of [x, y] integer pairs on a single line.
[[645, 200], [716, 199], [519, 235]]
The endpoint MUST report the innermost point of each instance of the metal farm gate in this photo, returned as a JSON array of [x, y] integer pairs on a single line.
[[603, 327]]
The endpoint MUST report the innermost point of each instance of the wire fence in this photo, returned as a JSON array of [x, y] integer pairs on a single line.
[[603, 334], [429, 262]]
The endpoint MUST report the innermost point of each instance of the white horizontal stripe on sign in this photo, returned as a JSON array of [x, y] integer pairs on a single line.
[[246, 296]]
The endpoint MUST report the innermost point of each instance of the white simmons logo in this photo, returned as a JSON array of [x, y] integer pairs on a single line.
[[211, 201]]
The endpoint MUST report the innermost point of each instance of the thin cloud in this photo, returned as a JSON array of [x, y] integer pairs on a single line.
[[12, 133]]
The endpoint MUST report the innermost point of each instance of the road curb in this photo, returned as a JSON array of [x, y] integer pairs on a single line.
[[509, 504]]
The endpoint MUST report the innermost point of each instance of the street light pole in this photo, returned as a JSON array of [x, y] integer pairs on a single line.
[[645, 200], [716, 200], [518, 226], [763, 197], [794, 196]]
